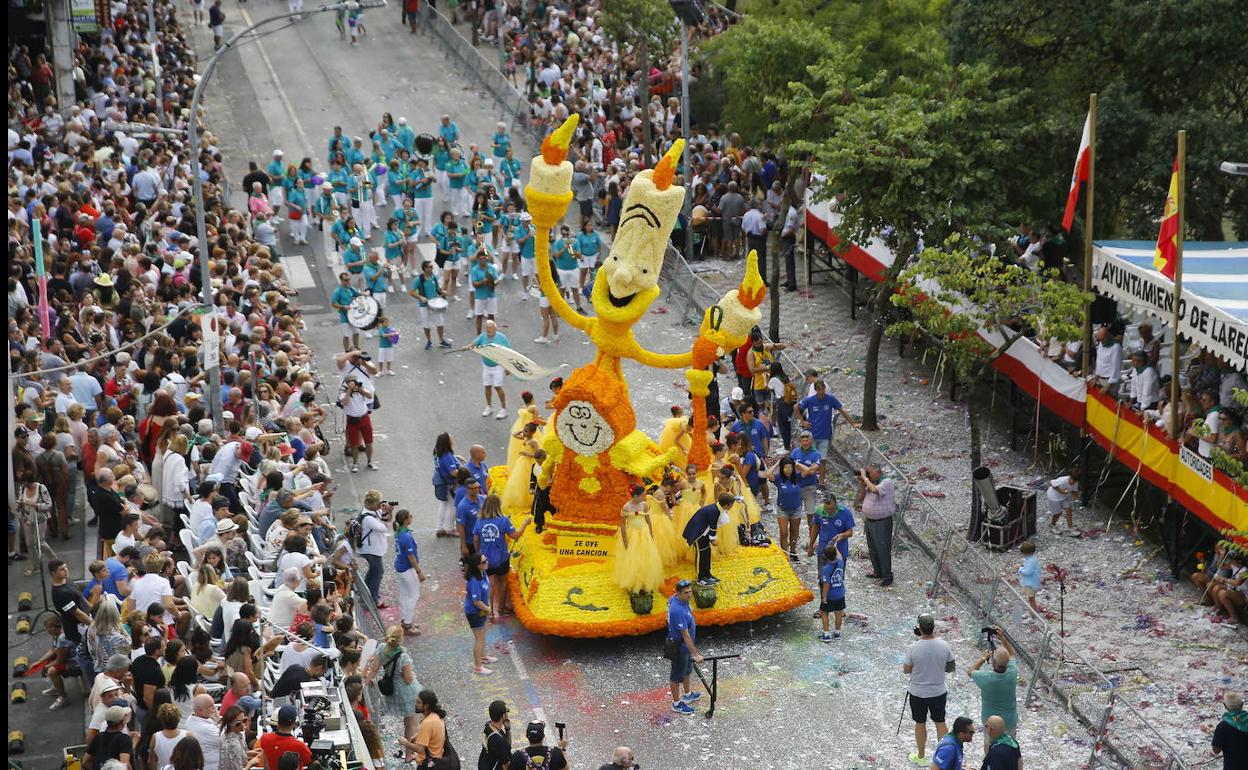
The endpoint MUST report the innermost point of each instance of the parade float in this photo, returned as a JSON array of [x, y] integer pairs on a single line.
[[580, 576]]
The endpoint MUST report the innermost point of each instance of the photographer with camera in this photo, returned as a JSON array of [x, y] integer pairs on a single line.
[[369, 532], [355, 398], [998, 688], [496, 739], [621, 759], [537, 755]]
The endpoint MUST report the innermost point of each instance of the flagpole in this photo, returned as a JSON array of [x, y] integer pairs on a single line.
[[1087, 236], [1175, 390]]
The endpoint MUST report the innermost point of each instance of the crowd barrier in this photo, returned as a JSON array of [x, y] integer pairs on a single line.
[[475, 65], [1119, 736]]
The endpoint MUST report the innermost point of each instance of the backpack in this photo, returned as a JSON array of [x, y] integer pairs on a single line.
[[790, 393], [355, 533], [386, 685], [534, 761]]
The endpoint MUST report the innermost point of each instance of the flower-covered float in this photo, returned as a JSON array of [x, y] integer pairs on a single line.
[[581, 576]]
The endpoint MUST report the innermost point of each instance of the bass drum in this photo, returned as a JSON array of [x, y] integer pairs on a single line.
[[424, 144], [363, 311]]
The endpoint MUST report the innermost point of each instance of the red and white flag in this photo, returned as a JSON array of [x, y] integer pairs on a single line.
[[1080, 173]]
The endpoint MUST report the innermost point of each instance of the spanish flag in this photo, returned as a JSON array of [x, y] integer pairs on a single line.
[[1164, 256]]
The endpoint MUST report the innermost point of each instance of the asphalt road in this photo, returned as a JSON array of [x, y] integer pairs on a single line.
[[788, 702]]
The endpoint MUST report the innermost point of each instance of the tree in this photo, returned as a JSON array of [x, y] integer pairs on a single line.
[[647, 23], [1157, 67], [952, 293], [908, 159]]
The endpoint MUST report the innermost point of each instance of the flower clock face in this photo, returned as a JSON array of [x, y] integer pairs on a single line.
[[583, 430]]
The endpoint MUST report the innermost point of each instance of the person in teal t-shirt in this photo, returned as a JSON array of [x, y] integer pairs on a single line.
[[589, 246], [524, 236], [501, 141], [491, 373], [563, 251], [483, 276], [340, 300], [297, 200], [509, 167], [998, 687], [424, 288], [457, 179], [353, 257], [387, 341]]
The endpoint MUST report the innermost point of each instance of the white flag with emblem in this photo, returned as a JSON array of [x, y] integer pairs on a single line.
[[521, 366]]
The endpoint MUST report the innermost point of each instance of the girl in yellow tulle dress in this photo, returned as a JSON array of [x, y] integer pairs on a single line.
[[676, 433], [526, 414], [688, 495], [661, 524], [638, 565], [516, 497], [727, 541]]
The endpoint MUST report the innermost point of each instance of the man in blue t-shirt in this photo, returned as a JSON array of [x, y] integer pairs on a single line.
[[948, 755], [682, 630], [491, 373], [760, 440], [118, 581], [818, 415], [484, 275], [834, 525], [809, 463], [466, 515], [477, 467]]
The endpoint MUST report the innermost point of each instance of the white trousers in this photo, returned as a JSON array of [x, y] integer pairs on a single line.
[[327, 243], [424, 207], [369, 213], [299, 229], [446, 513], [409, 595]]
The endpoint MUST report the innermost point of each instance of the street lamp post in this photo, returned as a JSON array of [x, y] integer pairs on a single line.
[[684, 131], [156, 74], [197, 183]]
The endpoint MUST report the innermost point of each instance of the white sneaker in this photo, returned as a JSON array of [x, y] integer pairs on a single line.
[[58, 704], [391, 373], [468, 315], [524, 297], [502, 413], [482, 670], [515, 276], [390, 290], [355, 469], [556, 338], [541, 340], [486, 412], [373, 466], [48, 691]]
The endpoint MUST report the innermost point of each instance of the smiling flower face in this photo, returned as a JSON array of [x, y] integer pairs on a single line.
[[583, 430]]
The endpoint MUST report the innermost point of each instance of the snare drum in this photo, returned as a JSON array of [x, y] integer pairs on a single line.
[[438, 303], [363, 311]]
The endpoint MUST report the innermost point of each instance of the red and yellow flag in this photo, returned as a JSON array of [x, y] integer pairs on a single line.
[[1165, 255]]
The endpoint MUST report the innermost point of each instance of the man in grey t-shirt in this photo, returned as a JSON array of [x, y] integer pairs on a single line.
[[927, 661]]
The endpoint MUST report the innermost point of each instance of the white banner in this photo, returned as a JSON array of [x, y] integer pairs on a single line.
[[1209, 327], [212, 341], [1197, 463], [521, 366]]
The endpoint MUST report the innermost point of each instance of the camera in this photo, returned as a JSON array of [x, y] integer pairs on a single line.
[[561, 726]]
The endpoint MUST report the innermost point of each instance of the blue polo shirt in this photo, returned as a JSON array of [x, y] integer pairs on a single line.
[[493, 536], [813, 457], [680, 618], [788, 494], [116, 572], [820, 413], [479, 471], [477, 590], [404, 546], [831, 526], [756, 432], [484, 339], [479, 273], [833, 575], [466, 513], [948, 755]]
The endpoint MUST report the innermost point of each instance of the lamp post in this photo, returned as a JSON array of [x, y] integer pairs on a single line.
[[690, 12], [156, 74]]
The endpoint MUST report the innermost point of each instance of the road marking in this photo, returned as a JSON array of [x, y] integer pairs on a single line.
[[297, 272], [522, 672], [277, 86]]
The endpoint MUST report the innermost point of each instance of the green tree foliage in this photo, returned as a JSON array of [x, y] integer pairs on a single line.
[[952, 293], [907, 158], [1158, 67]]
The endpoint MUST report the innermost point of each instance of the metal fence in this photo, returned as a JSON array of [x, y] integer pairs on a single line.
[[476, 65], [1119, 735]]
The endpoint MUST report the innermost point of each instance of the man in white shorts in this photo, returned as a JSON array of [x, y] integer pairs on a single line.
[[491, 373], [523, 236], [483, 275], [424, 288]]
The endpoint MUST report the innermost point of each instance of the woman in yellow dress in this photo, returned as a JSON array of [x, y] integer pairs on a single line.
[[661, 523], [689, 494], [525, 415], [727, 541], [638, 565], [517, 497], [676, 433]]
